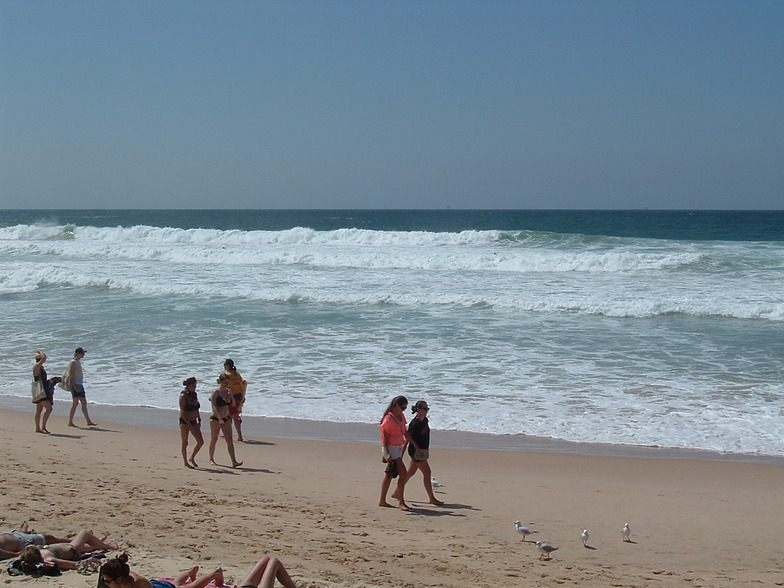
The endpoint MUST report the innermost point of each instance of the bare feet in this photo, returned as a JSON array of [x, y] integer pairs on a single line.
[[92, 424], [193, 463], [240, 439], [436, 501], [71, 425], [189, 466], [236, 465], [45, 431], [217, 577], [386, 504], [403, 506]]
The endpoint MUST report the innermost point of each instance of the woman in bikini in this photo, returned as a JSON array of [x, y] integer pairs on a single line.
[[117, 574], [220, 419], [190, 422], [65, 555], [43, 406]]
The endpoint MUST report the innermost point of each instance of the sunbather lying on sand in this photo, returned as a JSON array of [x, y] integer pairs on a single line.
[[13, 542], [116, 573], [65, 555]]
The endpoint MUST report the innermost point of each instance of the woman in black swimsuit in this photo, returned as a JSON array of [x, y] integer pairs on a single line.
[[65, 555], [220, 420], [190, 422], [43, 406]]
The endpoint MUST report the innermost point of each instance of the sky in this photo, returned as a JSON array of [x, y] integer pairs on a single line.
[[669, 104]]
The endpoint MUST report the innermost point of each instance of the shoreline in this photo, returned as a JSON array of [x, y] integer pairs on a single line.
[[364, 434]]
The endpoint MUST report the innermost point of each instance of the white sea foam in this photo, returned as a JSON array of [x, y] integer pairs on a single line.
[[618, 340]]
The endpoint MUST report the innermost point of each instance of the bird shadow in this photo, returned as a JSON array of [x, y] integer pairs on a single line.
[[590, 547], [630, 541]]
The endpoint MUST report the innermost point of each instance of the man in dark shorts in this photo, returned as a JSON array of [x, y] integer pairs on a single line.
[[76, 378]]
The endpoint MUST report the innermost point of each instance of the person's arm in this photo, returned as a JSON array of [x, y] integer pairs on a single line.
[[409, 438], [385, 440], [8, 554], [37, 367], [63, 564]]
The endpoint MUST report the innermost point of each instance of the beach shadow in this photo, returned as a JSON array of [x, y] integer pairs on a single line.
[[435, 512], [219, 469], [97, 428], [630, 541], [590, 547], [227, 469], [458, 506], [255, 470], [253, 442], [65, 436], [445, 509]]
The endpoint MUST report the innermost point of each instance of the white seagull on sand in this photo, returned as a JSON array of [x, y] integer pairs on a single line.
[[435, 483], [524, 531], [626, 532], [584, 536], [545, 548]]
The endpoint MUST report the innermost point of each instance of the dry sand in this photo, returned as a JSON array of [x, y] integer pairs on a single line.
[[694, 522]]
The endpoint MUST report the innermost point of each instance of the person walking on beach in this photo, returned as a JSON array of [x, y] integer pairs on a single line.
[[190, 421], [237, 387], [75, 377], [394, 437], [43, 406], [220, 419], [419, 432]]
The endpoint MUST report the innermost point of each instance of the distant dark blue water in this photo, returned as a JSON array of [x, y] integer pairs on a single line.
[[722, 225]]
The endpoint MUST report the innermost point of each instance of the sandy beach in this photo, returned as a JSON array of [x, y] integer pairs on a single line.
[[695, 522]]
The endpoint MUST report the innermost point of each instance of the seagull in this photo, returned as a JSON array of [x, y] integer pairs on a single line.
[[545, 549], [626, 532], [584, 536], [524, 531], [435, 483]]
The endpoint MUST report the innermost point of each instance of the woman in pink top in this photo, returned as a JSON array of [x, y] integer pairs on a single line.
[[394, 437]]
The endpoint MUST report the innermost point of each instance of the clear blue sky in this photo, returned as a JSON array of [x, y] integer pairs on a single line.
[[403, 104]]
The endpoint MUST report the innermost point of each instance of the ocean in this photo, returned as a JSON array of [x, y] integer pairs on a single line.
[[658, 328]]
